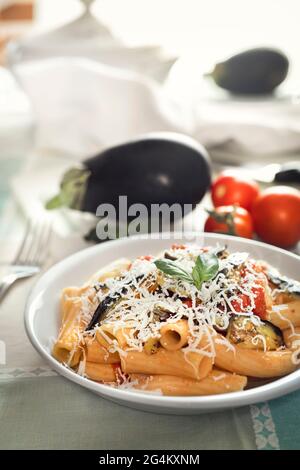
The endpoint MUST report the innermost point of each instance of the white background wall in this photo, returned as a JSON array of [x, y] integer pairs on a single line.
[[185, 25], [202, 30]]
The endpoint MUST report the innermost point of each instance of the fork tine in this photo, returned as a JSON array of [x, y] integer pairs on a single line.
[[42, 243], [34, 245], [29, 245], [47, 240], [20, 253]]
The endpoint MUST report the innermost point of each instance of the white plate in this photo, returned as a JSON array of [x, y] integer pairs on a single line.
[[42, 319]]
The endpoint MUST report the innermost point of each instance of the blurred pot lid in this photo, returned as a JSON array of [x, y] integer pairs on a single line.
[[86, 37]]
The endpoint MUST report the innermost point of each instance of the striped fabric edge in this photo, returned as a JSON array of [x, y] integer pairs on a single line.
[[26, 372], [264, 427]]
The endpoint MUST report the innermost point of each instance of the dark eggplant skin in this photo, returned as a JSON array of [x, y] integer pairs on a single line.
[[167, 168], [167, 255], [283, 282], [255, 71], [109, 301], [101, 310], [157, 168]]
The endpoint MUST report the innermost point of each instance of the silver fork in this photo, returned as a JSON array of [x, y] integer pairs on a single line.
[[30, 257]]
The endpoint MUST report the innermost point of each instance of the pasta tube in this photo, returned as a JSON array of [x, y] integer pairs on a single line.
[[72, 358], [174, 336], [100, 372], [69, 295], [166, 362], [251, 362], [206, 366], [289, 314], [106, 334], [72, 292], [95, 352], [292, 338], [215, 383], [66, 349]]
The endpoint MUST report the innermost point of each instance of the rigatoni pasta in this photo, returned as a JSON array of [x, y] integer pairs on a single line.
[[100, 372], [253, 363], [177, 363], [174, 336], [192, 321], [283, 315], [216, 382], [95, 352]]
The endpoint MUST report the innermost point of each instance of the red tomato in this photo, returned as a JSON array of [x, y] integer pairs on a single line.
[[146, 258], [230, 189], [276, 216], [230, 219], [260, 308], [241, 304], [188, 303], [260, 302]]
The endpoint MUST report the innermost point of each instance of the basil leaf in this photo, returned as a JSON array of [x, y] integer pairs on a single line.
[[197, 278], [205, 269], [171, 269]]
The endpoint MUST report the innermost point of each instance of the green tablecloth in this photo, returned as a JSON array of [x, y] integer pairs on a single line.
[[40, 410]]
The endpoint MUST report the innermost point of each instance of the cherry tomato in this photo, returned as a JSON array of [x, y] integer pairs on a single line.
[[276, 216], [230, 189], [230, 219]]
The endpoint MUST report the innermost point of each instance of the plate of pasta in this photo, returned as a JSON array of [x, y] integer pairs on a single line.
[[183, 325]]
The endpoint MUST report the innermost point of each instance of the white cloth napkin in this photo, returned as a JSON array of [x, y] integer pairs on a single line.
[[262, 129], [82, 106]]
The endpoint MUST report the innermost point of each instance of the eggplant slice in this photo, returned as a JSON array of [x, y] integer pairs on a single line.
[[283, 283], [102, 310], [107, 303], [247, 334]]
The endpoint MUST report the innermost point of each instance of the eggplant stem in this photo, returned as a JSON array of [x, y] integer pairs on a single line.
[[72, 190], [54, 202]]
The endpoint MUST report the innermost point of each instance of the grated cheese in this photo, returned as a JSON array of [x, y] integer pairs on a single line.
[[148, 291]]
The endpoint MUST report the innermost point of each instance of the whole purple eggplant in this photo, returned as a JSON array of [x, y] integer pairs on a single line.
[[155, 169]]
